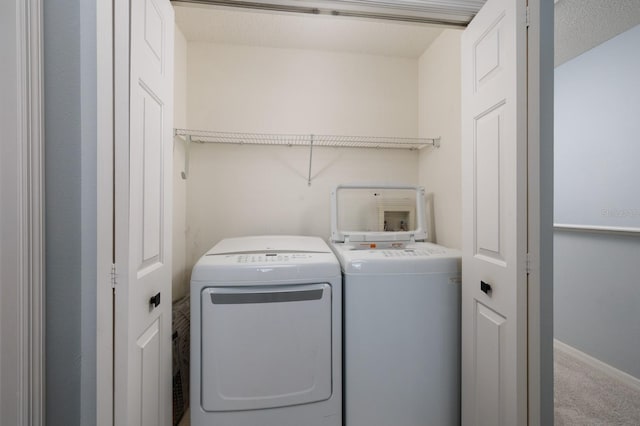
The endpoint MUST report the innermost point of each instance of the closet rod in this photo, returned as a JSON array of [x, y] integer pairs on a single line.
[[310, 140]]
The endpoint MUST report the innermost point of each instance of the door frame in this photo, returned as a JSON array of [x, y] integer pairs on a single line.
[[540, 75], [540, 195], [105, 212], [24, 284]]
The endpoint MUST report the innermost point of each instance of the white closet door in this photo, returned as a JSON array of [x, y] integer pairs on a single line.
[[142, 368], [494, 163]]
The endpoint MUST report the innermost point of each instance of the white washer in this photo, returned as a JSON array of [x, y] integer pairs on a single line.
[[266, 338], [401, 318]]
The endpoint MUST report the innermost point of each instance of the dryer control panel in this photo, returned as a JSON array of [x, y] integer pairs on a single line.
[[271, 257]]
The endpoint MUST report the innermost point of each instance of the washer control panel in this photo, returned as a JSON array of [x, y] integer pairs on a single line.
[[412, 253]]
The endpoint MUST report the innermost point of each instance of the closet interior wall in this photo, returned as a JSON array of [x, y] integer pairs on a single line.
[[235, 190], [439, 111], [180, 268]]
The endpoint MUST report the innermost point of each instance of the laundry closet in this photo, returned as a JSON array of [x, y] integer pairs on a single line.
[[260, 77], [273, 110]]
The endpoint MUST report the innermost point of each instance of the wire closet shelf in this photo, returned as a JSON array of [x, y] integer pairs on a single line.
[[307, 140], [339, 141]]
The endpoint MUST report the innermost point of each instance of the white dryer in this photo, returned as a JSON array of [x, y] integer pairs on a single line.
[[401, 301], [266, 338]]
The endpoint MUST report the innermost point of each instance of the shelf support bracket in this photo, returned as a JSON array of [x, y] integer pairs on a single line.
[[310, 160], [187, 147]]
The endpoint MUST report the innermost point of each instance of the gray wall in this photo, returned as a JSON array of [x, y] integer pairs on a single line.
[[597, 277], [70, 146], [597, 102], [597, 296], [10, 238]]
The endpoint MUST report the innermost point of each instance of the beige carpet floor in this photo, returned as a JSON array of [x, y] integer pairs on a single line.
[[587, 397]]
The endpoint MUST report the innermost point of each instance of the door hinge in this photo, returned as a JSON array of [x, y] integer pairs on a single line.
[[114, 275], [527, 17], [528, 263]]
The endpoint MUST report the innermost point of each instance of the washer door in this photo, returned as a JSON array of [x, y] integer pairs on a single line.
[[265, 346]]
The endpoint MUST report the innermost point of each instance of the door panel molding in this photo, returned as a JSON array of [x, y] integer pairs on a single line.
[[489, 347], [487, 45]]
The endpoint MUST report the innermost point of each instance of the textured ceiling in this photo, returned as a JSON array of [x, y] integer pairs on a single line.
[[583, 24], [236, 26]]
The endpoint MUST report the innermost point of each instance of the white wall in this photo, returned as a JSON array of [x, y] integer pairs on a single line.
[[179, 267], [242, 190], [596, 284], [439, 115], [255, 89]]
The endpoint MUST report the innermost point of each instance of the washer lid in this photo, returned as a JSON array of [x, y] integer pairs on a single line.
[[269, 244], [377, 213]]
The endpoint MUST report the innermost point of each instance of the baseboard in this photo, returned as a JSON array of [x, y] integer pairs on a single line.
[[605, 368]]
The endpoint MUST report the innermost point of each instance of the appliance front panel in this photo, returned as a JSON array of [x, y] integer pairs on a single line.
[[266, 346]]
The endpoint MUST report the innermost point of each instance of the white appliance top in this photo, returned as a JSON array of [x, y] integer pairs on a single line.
[[396, 258], [270, 243], [267, 258]]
